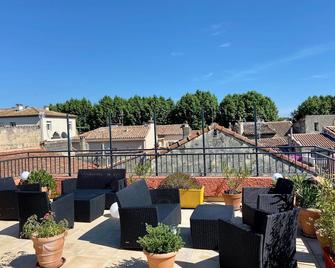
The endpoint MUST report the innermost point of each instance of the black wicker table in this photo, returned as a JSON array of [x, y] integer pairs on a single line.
[[204, 224], [88, 206]]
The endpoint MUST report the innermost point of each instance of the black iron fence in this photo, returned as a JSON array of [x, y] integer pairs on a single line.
[[195, 161]]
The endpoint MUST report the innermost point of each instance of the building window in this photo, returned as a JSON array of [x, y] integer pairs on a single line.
[[49, 126], [12, 124], [316, 126]]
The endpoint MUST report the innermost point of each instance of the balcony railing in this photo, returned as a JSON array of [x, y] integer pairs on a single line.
[[195, 161]]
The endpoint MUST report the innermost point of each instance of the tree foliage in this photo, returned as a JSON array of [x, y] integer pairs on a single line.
[[315, 105], [189, 107], [83, 108], [235, 107]]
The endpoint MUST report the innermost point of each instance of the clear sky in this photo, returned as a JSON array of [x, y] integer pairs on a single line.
[[53, 50]]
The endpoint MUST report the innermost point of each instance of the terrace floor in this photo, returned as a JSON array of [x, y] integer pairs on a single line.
[[96, 244]]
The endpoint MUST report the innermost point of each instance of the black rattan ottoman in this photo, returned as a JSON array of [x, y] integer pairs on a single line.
[[204, 224], [88, 206]]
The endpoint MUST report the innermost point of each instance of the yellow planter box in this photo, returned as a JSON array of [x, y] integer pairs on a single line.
[[191, 198]]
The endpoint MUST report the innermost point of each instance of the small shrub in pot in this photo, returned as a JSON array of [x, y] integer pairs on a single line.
[[160, 245]]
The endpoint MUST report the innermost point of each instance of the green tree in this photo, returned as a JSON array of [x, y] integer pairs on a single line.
[[189, 107], [236, 107], [83, 108], [315, 105]]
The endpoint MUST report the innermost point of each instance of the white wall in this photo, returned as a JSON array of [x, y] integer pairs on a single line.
[[57, 125]]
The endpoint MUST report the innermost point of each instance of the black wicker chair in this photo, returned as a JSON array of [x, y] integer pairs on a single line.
[[8, 197], [277, 199], [271, 243], [138, 206], [99, 181], [38, 203]]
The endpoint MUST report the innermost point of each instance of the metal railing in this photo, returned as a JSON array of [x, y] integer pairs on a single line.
[[263, 161]]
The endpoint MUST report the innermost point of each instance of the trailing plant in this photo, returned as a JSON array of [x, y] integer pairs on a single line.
[[43, 178], [234, 178], [44, 227], [307, 190], [181, 181], [161, 239]]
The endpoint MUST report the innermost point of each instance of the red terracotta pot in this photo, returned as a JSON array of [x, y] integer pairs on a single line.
[[328, 259], [161, 260], [233, 200]]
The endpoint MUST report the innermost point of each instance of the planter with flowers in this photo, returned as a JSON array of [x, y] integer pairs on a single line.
[[160, 245], [48, 239], [190, 191]]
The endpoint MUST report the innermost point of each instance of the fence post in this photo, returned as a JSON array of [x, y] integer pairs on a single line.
[[110, 139], [203, 140], [256, 139], [155, 139], [68, 145]]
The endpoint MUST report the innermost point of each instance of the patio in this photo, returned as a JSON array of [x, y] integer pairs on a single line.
[[96, 244]]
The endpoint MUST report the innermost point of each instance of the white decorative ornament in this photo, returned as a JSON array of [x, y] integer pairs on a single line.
[[114, 210], [276, 176], [24, 175]]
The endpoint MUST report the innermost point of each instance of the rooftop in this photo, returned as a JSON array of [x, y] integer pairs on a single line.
[[30, 111], [314, 139], [96, 244], [279, 128], [118, 133]]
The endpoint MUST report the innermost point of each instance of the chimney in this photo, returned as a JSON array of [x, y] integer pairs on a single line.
[[186, 130], [240, 127], [19, 107]]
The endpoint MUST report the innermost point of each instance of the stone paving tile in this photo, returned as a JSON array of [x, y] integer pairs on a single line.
[[96, 244]]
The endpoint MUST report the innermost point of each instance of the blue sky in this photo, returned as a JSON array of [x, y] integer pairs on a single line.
[[53, 50]]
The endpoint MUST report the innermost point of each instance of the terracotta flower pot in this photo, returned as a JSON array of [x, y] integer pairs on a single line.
[[307, 217], [323, 240], [49, 250], [328, 259], [47, 190], [161, 260], [233, 200]]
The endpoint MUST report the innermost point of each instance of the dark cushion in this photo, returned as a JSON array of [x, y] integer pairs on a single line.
[[283, 186], [260, 220], [99, 178], [168, 213], [135, 195], [7, 184]]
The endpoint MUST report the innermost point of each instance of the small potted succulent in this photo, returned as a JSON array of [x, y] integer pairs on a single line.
[[190, 191], [45, 179], [307, 193], [48, 239], [233, 178], [160, 245]]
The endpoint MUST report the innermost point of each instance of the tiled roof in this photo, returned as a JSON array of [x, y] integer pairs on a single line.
[[274, 142], [174, 129], [282, 128], [118, 133], [262, 128], [330, 131], [314, 139], [31, 111]]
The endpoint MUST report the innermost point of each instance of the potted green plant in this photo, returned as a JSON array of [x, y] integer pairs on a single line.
[[160, 245], [232, 195], [190, 191], [48, 239], [45, 179], [307, 193]]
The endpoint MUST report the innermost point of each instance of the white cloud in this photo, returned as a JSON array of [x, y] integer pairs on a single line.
[[207, 76], [299, 55], [204, 77], [227, 44], [176, 54]]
